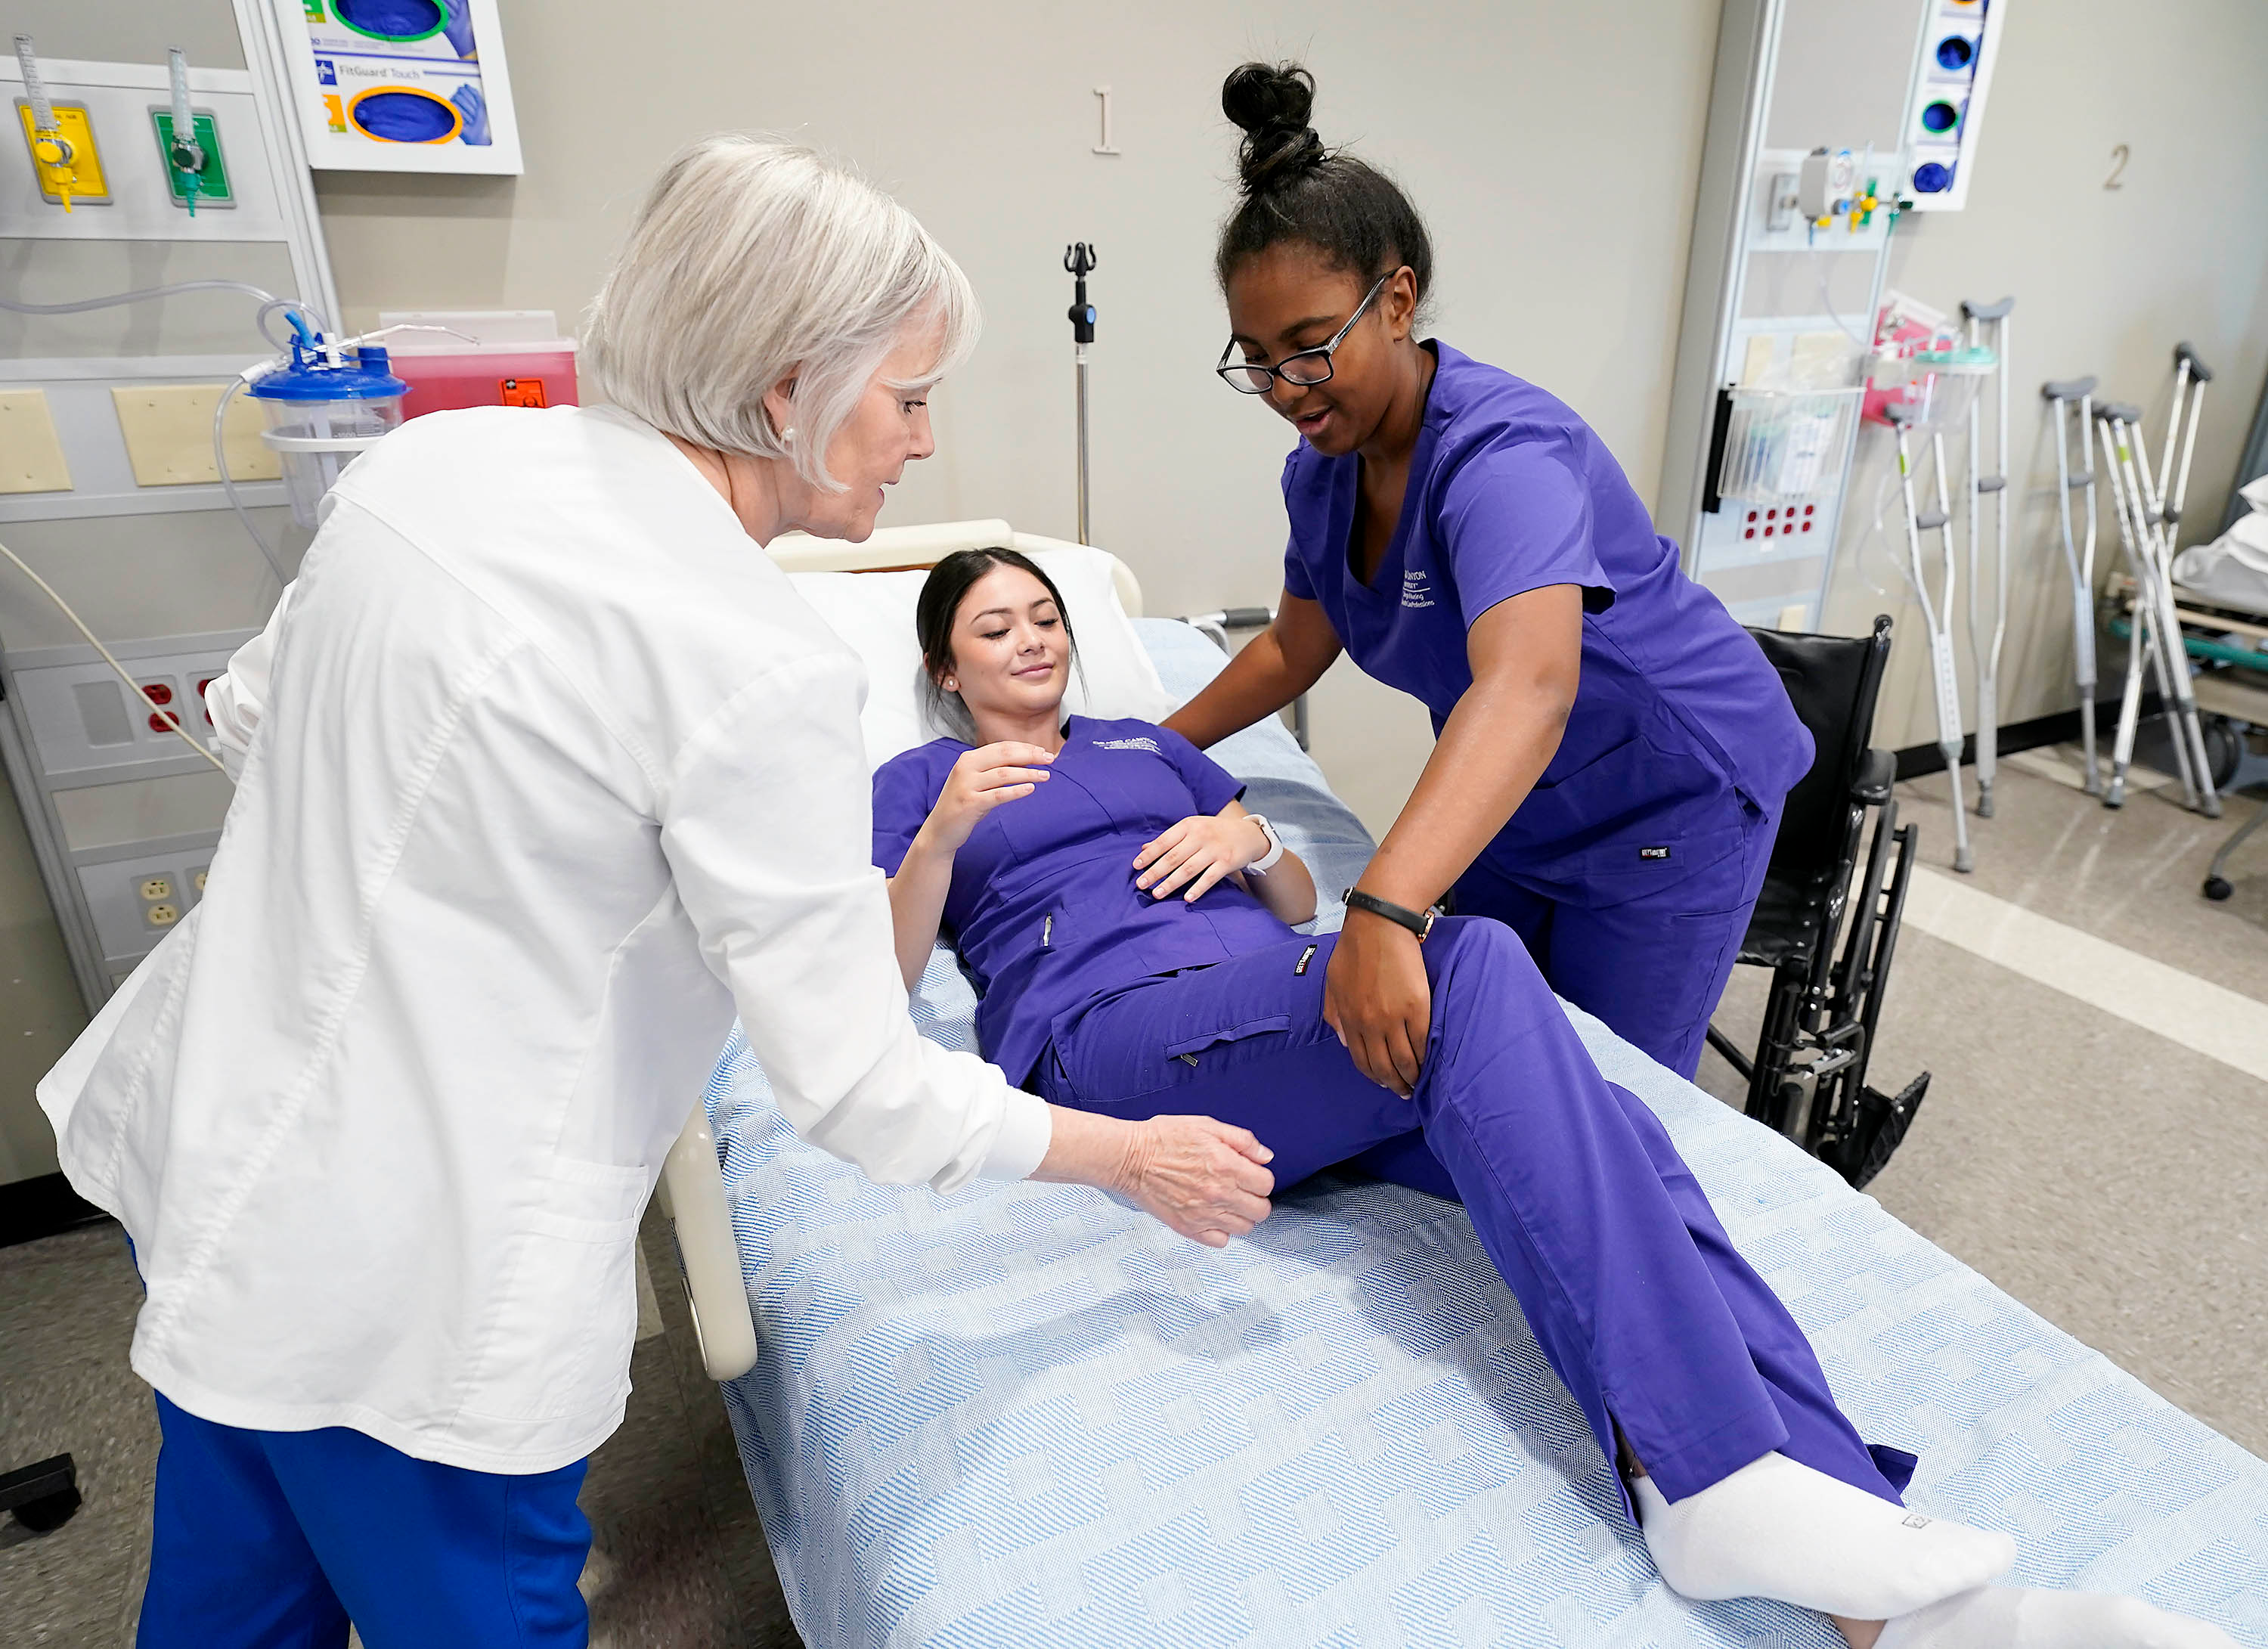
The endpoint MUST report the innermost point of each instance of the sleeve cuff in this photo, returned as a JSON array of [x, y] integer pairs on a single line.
[[1026, 1132]]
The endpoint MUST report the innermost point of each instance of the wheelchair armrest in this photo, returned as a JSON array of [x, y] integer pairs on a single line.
[[1878, 770]]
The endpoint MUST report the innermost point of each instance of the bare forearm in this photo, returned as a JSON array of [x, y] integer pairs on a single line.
[[1492, 750], [1275, 666], [1286, 888], [917, 893], [1253, 684], [1087, 1149]]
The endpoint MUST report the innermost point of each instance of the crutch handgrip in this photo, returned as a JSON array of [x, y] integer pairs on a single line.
[[2199, 369], [1929, 520], [2068, 388], [1975, 311], [2118, 412]]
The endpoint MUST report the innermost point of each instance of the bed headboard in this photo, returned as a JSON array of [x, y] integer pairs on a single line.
[[903, 548]]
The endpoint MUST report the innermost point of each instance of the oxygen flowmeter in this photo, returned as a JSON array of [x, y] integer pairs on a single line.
[[62, 139]]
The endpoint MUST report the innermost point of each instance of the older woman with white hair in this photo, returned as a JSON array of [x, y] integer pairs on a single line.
[[545, 769]]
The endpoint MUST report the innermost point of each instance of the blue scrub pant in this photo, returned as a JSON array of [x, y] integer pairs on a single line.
[[1653, 966], [1631, 1287], [275, 1540]]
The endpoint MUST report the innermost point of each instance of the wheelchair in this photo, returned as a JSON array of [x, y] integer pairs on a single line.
[[1826, 924]]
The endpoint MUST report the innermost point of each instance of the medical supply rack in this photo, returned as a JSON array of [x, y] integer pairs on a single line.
[[123, 818]]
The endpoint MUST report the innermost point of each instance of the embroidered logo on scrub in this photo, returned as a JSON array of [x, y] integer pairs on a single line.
[[1306, 956], [1653, 853], [1915, 1520], [1151, 745], [1414, 590]]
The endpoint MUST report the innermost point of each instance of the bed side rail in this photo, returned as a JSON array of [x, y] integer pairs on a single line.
[[693, 1196]]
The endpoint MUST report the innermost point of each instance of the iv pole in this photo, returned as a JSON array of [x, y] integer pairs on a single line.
[[1078, 260]]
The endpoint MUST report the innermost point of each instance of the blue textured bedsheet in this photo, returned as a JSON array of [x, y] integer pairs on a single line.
[[1026, 1414]]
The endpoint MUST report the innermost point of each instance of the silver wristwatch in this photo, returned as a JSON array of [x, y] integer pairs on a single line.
[[1266, 862]]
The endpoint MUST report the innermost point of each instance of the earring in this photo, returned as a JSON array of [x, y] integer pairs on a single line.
[[952, 686], [788, 434]]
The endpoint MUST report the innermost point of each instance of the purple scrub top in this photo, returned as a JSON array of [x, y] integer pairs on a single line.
[[1679, 720], [1043, 909]]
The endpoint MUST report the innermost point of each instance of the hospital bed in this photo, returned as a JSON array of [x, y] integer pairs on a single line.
[[1029, 1415]]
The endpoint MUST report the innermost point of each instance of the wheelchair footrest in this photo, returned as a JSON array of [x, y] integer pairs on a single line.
[[1882, 1124]]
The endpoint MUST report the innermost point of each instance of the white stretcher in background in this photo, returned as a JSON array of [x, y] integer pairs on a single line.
[[1026, 1414]]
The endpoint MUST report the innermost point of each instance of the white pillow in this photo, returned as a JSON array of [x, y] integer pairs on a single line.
[[873, 614]]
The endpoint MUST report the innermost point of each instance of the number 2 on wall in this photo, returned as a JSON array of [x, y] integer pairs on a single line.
[[2118, 158]]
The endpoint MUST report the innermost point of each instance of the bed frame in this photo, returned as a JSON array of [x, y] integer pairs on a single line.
[[692, 1190]]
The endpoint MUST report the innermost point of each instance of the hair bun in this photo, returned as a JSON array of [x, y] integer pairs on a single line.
[[1271, 102]]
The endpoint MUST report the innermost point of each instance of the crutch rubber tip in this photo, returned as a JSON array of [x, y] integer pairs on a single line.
[[1984, 802], [2115, 797], [2218, 888], [1964, 861], [2210, 808]]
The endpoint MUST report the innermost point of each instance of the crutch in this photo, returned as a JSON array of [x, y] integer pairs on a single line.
[[1937, 616], [2190, 376], [2157, 536], [1988, 330], [2147, 647], [2079, 556]]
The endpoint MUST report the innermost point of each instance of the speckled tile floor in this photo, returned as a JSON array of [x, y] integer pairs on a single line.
[[678, 1559], [2113, 1179]]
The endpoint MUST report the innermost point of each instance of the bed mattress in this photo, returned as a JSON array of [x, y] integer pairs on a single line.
[[1029, 1415]]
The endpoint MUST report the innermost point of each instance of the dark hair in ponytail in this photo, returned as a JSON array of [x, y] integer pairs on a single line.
[[1294, 189]]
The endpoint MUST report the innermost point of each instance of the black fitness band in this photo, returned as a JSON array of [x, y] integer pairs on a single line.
[[1419, 922]]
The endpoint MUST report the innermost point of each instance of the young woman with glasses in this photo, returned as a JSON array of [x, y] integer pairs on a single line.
[[1613, 750]]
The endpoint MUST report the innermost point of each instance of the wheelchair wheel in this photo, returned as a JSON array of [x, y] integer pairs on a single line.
[[2224, 751]]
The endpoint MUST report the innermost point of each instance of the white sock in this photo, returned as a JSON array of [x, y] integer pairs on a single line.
[[1777, 1528], [2012, 1617]]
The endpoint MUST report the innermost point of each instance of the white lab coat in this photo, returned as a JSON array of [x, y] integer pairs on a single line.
[[555, 771]]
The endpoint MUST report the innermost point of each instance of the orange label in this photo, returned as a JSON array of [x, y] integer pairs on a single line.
[[521, 392]]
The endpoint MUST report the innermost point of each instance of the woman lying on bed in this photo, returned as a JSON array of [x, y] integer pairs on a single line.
[[1127, 922]]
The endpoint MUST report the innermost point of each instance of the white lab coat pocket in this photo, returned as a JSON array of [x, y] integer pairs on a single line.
[[564, 1330]]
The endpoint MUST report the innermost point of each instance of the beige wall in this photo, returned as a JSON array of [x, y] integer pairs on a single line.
[[2106, 283], [1553, 147]]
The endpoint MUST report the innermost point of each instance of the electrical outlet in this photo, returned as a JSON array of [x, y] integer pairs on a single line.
[[31, 453], [168, 431], [197, 881], [156, 887], [162, 916]]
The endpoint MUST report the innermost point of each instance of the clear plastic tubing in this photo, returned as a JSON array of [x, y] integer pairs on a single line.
[[147, 294]]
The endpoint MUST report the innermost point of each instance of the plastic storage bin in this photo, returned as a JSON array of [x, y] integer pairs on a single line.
[[502, 359], [1787, 445]]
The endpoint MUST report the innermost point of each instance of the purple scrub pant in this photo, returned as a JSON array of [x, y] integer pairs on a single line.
[[274, 1539], [1631, 1287], [1653, 967]]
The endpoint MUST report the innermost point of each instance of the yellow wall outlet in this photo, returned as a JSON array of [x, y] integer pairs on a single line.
[[30, 452], [168, 431], [78, 180]]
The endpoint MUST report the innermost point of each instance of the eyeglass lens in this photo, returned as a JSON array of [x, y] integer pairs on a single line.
[[1308, 369]]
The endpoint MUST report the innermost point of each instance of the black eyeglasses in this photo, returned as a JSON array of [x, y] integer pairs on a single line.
[[1304, 370]]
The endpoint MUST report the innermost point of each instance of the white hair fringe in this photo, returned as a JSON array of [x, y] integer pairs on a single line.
[[752, 260]]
